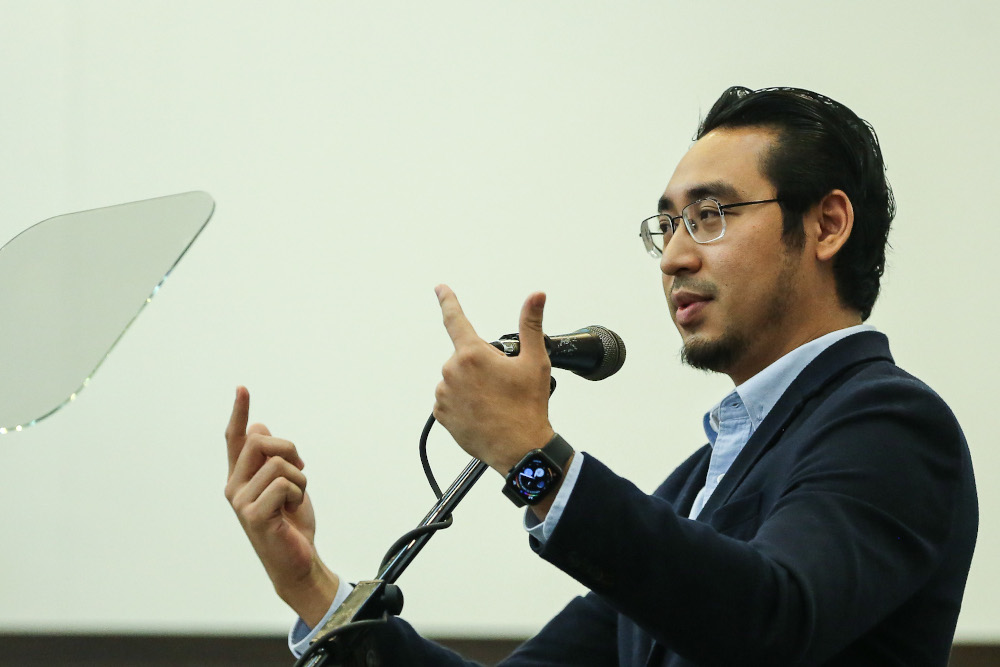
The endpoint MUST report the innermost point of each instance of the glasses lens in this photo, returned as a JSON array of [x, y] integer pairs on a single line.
[[652, 235], [704, 220]]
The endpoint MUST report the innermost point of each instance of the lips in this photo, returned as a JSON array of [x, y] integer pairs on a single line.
[[688, 306]]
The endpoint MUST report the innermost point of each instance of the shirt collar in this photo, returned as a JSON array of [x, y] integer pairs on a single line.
[[761, 392]]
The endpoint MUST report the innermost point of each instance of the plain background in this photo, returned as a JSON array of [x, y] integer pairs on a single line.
[[362, 152]]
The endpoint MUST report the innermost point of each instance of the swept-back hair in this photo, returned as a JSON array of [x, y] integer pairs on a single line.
[[822, 146]]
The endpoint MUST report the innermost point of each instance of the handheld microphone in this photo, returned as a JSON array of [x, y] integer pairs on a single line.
[[592, 352]]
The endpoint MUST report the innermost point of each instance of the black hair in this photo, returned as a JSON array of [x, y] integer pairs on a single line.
[[822, 146]]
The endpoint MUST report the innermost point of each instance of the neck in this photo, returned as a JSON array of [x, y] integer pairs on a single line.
[[756, 360]]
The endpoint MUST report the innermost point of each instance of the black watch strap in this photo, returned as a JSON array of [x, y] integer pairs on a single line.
[[559, 451]]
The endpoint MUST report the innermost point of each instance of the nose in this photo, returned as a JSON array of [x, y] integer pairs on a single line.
[[681, 254]]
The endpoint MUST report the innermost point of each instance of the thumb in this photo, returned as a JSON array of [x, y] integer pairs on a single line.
[[530, 327], [259, 429]]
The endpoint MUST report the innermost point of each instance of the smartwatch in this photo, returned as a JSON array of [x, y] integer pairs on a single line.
[[533, 478]]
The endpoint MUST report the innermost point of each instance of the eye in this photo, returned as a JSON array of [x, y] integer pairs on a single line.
[[711, 221], [706, 212], [704, 218], [667, 225]]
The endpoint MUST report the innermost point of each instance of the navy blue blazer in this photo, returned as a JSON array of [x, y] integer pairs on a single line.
[[841, 535]]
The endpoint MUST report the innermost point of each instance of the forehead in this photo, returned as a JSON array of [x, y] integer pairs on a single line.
[[726, 164]]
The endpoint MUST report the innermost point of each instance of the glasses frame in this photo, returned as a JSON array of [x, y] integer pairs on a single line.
[[647, 236]]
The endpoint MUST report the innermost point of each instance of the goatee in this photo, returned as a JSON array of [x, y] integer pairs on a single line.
[[717, 355]]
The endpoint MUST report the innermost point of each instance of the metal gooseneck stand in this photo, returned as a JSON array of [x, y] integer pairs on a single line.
[[372, 602]]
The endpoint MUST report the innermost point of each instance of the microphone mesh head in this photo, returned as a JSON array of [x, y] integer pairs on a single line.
[[614, 353]]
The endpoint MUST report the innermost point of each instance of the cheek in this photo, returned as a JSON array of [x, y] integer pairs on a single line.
[[668, 282], [740, 291], [750, 294]]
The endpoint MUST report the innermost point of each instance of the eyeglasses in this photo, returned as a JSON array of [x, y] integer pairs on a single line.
[[705, 220]]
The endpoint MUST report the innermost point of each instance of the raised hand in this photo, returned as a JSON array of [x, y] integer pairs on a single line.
[[496, 407], [267, 490]]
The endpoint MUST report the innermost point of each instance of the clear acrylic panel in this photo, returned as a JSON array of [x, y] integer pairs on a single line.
[[70, 286]]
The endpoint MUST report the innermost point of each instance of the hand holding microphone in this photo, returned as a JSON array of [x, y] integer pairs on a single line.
[[494, 406], [493, 398]]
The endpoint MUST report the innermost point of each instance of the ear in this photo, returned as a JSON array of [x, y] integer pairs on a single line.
[[834, 222]]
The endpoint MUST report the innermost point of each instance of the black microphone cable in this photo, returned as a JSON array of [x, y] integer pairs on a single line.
[[318, 653]]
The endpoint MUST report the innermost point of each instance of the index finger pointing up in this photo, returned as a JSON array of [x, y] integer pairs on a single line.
[[236, 431], [455, 322]]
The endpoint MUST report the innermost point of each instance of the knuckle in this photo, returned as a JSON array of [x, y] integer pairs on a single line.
[[281, 472], [254, 515], [269, 467], [466, 357], [239, 506], [286, 487], [274, 467], [283, 448]]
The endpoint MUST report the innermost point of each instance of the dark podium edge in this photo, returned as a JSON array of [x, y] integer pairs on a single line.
[[97, 650]]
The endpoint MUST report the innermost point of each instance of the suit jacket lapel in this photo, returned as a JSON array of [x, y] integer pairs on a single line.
[[831, 363]]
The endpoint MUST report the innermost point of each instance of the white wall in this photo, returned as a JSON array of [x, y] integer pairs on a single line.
[[360, 153]]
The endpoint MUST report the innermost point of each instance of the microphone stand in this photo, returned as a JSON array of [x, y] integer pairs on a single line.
[[372, 602], [380, 597], [442, 509]]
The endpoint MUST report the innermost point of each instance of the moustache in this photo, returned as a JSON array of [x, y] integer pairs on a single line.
[[699, 286]]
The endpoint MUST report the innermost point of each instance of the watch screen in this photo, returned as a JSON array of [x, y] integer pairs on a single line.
[[534, 477]]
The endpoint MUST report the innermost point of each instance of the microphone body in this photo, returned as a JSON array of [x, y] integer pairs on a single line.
[[593, 352]]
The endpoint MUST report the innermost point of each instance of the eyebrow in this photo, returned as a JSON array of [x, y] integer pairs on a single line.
[[717, 189]]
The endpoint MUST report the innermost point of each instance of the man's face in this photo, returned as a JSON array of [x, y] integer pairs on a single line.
[[733, 300]]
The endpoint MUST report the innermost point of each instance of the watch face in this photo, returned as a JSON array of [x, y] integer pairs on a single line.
[[534, 477]]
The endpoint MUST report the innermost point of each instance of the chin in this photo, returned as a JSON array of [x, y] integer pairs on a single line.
[[714, 354]]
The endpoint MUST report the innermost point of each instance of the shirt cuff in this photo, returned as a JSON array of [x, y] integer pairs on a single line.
[[301, 635], [542, 530]]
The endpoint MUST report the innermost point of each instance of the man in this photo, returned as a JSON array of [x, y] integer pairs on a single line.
[[830, 520]]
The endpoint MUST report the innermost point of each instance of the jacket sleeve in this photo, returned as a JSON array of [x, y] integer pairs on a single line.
[[830, 531]]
